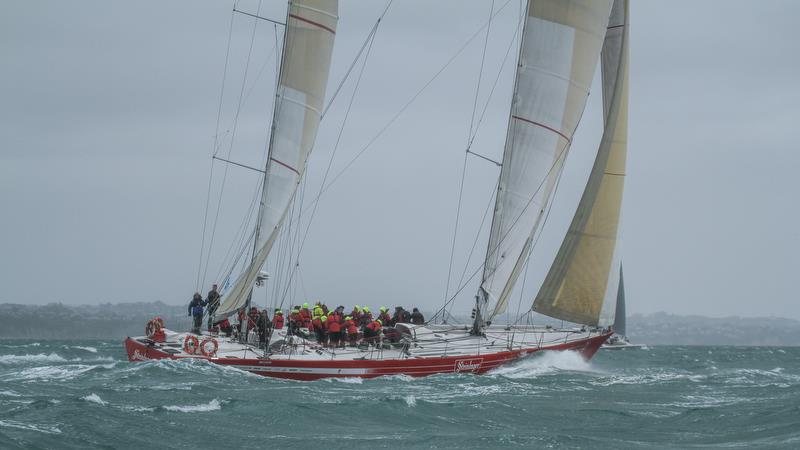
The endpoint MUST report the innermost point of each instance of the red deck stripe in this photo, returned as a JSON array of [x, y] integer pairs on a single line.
[[303, 19], [544, 126], [286, 165]]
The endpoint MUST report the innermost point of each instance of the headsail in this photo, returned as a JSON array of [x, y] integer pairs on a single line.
[[619, 314], [581, 277], [561, 42], [307, 50]]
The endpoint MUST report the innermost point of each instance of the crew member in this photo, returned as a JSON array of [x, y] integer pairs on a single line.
[[417, 318], [213, 303], [384, 315], [352, 330], [277, 319], [334, 329], [196, 312], [372, 331]]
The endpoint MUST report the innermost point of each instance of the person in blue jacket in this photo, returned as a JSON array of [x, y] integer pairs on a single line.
[[196, 311]]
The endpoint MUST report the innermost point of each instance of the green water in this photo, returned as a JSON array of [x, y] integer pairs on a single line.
[[79, 394]]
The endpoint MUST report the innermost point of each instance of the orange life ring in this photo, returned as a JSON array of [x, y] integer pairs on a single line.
[[213, 350], [190, 344]]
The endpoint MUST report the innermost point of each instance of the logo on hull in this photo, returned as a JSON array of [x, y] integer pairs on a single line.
[[138, 356], [468, 365]]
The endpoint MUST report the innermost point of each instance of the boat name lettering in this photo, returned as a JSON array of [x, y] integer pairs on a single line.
[[468, 365]]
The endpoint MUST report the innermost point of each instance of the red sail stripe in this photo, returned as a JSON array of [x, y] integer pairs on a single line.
[[303, 19], [286, 165], [544, 126]]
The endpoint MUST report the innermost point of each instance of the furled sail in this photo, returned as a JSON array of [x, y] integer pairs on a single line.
[[619, 314], [560, 46], [307, 50], [582, 275]]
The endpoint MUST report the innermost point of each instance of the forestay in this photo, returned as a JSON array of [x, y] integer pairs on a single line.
[[582, 276], [307, 49], [560, 46]]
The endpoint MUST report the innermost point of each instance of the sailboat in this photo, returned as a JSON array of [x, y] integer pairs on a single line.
[[619, 340], [560, 45]]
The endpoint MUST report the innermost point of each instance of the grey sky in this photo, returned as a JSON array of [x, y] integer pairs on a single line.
[[108, 110]]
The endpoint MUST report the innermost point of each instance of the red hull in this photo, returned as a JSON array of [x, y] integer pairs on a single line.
[[297, 369]]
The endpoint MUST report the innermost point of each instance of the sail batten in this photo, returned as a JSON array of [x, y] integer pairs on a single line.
[[559, 49], [305, 65], [581, 278]]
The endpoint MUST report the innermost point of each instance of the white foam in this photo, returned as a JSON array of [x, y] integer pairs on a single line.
[[411, 401], [41, 357], [213, 405], [9, 394], [94, 398], [547, 363], [88, 349], [54, 372], [348, 380], [30, 427]]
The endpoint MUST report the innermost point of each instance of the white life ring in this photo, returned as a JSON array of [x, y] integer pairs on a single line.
[[204, 347], [190, 344]]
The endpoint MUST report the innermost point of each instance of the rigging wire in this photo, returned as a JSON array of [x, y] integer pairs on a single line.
[[230, 148], [466, 153], [211, 169], [404, 108], [335, 148]]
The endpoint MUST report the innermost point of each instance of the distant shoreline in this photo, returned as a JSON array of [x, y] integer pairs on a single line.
[[57, 321]]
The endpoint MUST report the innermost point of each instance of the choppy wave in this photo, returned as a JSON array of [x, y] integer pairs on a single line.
[[546, 363], [61, 394], [213, 405]]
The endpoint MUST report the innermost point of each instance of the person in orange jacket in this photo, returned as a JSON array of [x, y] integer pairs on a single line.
[[351, 329], [334, 330], [372, 331], [277, 319]]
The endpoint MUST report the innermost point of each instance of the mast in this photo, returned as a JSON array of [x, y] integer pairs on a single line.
[[583, 273], [300, 96], [560, 46]]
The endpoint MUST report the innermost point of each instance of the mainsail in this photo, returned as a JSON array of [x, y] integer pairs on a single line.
[[560, 46], [581, 277], [307, 50], [619, 314]]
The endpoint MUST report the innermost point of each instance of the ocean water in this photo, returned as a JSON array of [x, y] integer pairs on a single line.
[[79, 394]]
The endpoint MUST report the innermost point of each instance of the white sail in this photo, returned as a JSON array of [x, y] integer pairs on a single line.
[[560, 46], [307, 50], [582, 276]]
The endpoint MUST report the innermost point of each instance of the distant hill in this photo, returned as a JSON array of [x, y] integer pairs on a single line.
[[116, 321]]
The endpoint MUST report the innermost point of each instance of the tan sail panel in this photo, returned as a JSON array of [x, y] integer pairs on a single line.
[[579, 281]]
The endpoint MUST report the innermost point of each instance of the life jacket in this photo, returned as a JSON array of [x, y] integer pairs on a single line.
[[277, 321], [351, 327], [316, 324], [296, 319], [159, 336], [336, 317], [374, 326], [334, 326], [385, 317], [305, 313]]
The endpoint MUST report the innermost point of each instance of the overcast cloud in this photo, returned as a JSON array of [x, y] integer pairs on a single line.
[[108, 112]]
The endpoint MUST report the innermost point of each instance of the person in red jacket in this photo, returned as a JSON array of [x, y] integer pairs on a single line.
[[277, 319], [334, 329], [316, 327], [351, 329], [355, 314], [366, 316], [373, 331]]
